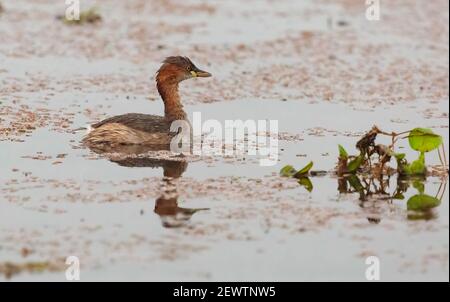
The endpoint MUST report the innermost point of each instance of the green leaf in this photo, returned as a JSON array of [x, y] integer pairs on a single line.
[[287, 171], [399, 196], [419, 186], [304, 171], [402, 164], [355, 164], [422, 202], [306, 182], [399, 156], [424, 140], [342, 152], [418, 167], [354, 181]]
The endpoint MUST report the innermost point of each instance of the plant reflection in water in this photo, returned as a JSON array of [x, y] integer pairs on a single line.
[[419, 206]]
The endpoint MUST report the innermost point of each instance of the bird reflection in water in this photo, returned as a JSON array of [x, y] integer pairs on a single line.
[[166, 205]]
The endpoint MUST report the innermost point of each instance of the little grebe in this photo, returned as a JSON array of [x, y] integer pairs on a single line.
[[144, 129]]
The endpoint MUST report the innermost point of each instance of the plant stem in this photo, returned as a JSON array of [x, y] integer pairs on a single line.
[[443, 153]]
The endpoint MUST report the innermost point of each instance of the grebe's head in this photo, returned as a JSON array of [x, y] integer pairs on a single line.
[[177, 69]]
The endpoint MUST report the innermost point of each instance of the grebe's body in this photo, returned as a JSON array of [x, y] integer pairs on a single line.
[[145, 129], [131, 129]]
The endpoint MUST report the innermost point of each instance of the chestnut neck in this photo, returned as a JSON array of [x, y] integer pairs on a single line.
[[173, 109]]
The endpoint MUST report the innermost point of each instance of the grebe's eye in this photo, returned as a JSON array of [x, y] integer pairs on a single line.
[[192, 71]]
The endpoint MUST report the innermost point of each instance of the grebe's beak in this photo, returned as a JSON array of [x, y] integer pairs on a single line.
[[200, 74]]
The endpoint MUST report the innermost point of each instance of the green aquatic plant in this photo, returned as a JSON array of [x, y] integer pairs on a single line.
[[416, 168], [306, 183], [304, 171], [301, 175], [422, 140], [421, 205], [344, 166], [356, 163], [342, 152], [422, 202], [290, 171]]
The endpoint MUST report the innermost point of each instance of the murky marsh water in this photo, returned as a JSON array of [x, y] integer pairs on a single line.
[[214, 218]]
